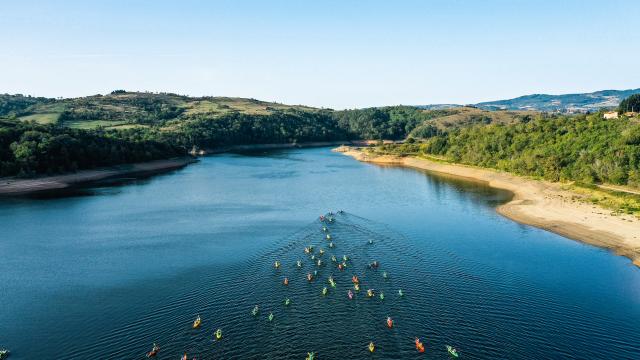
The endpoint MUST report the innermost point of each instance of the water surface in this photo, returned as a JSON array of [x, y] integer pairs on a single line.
[[106, 273]]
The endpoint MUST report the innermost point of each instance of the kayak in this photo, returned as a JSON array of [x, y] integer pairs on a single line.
[[355, 279], [356, 287], [299, 263], [4, 353], [270, 316], [319, 262], [309, 277], [287, 302], [345, 258], [419, 345], [452, 351], [197, 322], [277, 264], [328, 237], [184, 357], [389, 323], [400, 292], [369, 293], [321, 251], [218, 334], [372, 347], [350, 294], [310, 356], [381, 296], [384, 274], [286, 281], [324, 290], [255, 311], [154, 351], [331, 244]]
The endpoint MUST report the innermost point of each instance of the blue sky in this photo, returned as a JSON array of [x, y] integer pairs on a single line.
[[338, 54]]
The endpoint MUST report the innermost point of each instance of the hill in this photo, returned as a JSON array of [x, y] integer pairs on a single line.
[[122, 109], [572, 103]]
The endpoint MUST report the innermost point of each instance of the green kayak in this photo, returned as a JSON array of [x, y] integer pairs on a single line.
[[453, 352]]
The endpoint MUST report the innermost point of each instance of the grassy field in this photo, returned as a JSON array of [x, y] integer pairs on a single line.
[[45, 114], [617, 201]]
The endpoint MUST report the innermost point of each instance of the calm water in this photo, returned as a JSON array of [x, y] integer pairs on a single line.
[[107, 272]]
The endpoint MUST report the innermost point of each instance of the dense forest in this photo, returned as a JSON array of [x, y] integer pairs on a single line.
[[584, 148], [28, 148]]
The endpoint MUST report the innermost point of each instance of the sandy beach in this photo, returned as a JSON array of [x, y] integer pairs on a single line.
[[16, 186], [541, 204]]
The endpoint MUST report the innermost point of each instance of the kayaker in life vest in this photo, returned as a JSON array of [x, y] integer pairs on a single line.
[[309, 277], [299, 263], [419, 345], [370, 293], [277, 264], [355, 279], [286, 281], [197, 322], [184, 357], [389, 322], [350, 294]]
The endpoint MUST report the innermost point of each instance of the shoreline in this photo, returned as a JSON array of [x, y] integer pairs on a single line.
[[538, 203], [11, 186], [257, 147], [18, 187]]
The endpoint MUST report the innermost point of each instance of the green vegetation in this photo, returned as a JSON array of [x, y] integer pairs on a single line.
[[632, 103], [40, 135], [617, 201], [581, 148], [29, 148]]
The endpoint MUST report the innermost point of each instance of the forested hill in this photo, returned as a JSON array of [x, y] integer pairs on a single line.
[[47, 136]]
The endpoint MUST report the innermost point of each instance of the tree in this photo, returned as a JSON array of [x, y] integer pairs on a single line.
[[632, 103]]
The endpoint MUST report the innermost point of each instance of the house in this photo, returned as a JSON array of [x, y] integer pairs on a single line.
[[611, 115]]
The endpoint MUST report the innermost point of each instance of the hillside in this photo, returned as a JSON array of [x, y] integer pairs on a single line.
[[121, 109], [572, 103]]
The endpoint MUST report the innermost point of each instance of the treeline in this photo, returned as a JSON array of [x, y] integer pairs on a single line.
[[16, 105], [28, 149], [393, 122], [240, 129], [585, 148]]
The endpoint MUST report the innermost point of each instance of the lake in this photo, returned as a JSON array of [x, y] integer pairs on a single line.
[[109, 270]]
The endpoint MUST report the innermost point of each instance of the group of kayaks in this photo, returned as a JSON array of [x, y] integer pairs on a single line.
[[341, 265], [196, 325]]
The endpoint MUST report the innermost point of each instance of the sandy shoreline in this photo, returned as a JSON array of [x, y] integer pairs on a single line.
[[16, 187], [538, 203]]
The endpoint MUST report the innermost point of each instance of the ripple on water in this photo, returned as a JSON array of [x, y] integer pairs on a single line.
[[444, 303]]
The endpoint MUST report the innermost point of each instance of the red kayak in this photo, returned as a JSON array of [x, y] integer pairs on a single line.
[[154, 351]]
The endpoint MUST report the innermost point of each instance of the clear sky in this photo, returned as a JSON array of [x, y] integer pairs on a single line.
[[338, 54]]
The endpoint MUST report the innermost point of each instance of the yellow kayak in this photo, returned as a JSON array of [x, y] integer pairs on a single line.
[[197, 322], [372, 347]]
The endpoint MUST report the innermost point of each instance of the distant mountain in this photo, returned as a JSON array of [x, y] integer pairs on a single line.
[[572, 103]]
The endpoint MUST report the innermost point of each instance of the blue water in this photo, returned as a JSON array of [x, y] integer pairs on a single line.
[[106, 272]]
